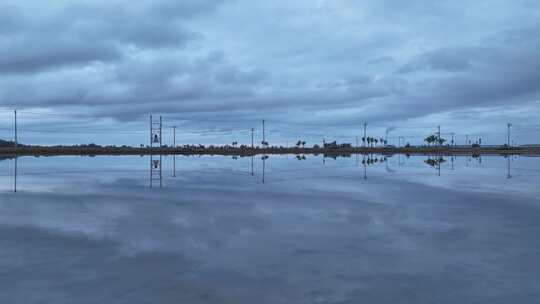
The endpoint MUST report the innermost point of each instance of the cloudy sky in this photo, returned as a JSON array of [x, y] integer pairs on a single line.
[[80, 71]]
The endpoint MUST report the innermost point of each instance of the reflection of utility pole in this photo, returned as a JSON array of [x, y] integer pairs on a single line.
[[508, 172], [365, 165], [452, 162], [15, 175], [156, 170], [160, 163], [252, 172], [174, 165], [264, 169]]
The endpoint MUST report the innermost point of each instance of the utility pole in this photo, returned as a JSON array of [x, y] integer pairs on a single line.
[[508, 134], [264, 133], [452, 138], [439, 135], [252, 145], [174, 137], [15, 138], [357, 141], [467, 140], [155, 131], [365, 139], [388, 130]]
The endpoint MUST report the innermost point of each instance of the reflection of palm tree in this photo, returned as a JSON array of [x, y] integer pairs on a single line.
[[433, 162]]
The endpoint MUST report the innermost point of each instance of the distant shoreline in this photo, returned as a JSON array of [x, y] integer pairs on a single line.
[[231, 151]]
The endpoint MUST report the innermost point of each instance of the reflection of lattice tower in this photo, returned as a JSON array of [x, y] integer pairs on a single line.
[[155, 171], [155, 132]]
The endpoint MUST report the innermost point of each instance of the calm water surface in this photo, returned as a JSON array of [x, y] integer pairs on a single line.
[[275, 230]]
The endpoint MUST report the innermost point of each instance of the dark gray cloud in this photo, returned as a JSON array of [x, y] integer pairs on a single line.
[[490, 75], [86, 32], [326, 62], [445, 59], [23, 55]]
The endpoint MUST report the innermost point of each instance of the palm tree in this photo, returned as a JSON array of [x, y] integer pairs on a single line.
[[431, 139], [441, 140]]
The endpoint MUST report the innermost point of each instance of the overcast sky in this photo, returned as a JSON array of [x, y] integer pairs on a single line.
[[81, 71]]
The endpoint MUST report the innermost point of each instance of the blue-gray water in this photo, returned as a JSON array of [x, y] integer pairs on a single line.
[[92, 230]]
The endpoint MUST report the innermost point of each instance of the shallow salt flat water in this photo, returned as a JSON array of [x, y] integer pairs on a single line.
[[283, 230]]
